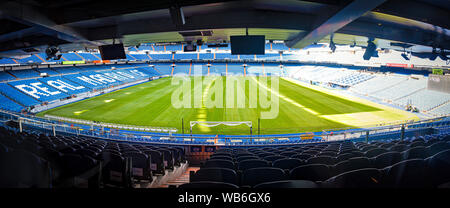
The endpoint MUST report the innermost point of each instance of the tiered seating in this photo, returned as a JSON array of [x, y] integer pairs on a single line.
[[278, 46], [17, 95], [7, 104], [414, 162], [164, 68], [88, 56], [4, 76], [352, 79], [268, 56], [235, 69], [49, 71], [378, 83], [145, 47], [38, 90], [441, 110], [161, 56], [42, 161], [182, 68], [192, 56], [71, 57], [218, 68], [24, 73], [402, 89], [226, 56], [424, 100], [31, 59], [6, 61], [140, 56], [206, 56], [176, 47]]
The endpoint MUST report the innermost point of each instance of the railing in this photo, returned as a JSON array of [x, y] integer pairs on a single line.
[[185, 139]]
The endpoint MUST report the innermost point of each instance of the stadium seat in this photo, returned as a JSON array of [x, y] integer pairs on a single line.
[[386, 159], [241, 158], [253, 163], [287, 163], [225, 175], [312, 172], [253, 176], [327, 153], [168, 158], [156, 161], [352, 164], [327, 160], [439, 167], [375, 152], [415, 152], [288, 184], [360, 178], [140, 165], [21, 169], [208, 185], [398, 148], [78, 171], [288, 153], [437, 147], [417, 144], [273, 158], [344, 156], [387, 145], [220, 157], [408, 174], [302, 156], [115, 171], [215, 163]]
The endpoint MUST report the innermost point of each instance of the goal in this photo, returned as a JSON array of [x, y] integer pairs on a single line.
[[217, 123]]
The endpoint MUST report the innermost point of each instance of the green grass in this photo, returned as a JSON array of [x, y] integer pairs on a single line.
[[149, 104]]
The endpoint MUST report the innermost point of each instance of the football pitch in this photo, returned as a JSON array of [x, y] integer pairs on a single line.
[[300, 107]]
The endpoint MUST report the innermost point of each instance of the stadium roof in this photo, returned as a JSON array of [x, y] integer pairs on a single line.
[[30, 25]]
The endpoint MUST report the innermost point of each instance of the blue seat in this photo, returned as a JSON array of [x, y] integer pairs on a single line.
[[254, 176], [252, 163], [312, 172], [287, 163], [225, 175]]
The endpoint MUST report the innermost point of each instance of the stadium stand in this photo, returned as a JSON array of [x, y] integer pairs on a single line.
[[5, 76], [375, 165]]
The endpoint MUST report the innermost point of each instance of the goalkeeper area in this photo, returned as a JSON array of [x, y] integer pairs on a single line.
[[300, 108]]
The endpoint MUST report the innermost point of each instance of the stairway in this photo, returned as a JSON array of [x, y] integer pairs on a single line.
[[184, 178]]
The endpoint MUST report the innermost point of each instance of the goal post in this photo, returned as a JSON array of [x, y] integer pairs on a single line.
[[217, 123]]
